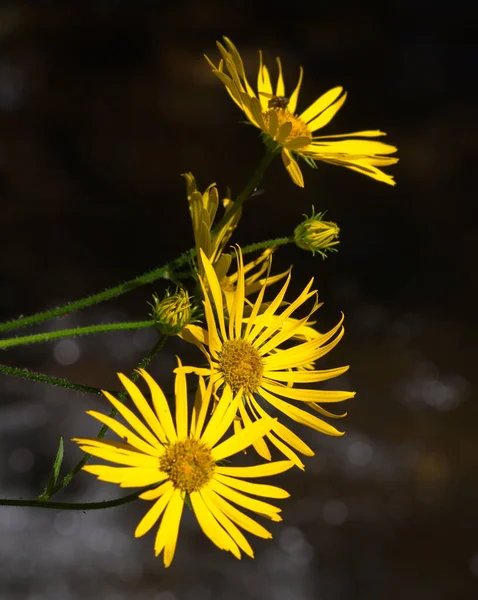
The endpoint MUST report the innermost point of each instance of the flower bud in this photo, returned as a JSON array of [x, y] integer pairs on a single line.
[[316, 235], [173, 312]]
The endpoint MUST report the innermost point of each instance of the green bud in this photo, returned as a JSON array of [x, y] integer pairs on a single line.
[[317, 235], [173, 312]]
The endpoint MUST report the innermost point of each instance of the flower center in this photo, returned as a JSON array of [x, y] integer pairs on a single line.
[[189, 464], [299, 127], [242, 366]]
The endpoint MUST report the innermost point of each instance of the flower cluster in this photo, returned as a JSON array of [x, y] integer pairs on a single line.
[[257, 384], [261, 358]]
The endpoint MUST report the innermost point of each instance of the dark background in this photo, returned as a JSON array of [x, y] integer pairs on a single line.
[[102, 107]]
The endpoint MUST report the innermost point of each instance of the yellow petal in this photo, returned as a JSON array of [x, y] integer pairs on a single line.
[[181, 397], [237, 309], [327, 115], [259, 444], [304, 376], [321, 104], [300, 416], [211, 527], [295, 94], [167, 535], [124, 433], [216, 292], [143, 407], [257, 489], [242, 440], [263, 83], [237, 516], [322, 396], [134, 422], [264, 470], [351, 147], [283, 132], [161, 406], [154, 513], [258, 506], [126, 476], [201, 405], [288, 436], [292, 167], [280, 89], [222, 417], [273, 306], [130, 459], [157, 492], [233, 532]]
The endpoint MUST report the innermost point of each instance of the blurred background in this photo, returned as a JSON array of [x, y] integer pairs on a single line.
[[102, 107]]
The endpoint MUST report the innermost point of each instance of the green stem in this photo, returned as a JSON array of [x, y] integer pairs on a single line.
[[76, 505], [248, 189], [161, 272], [121, 397], [53, 335], [57, 381], [267, 244]]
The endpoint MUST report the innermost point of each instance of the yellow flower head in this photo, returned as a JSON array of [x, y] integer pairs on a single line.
[[183, 458], [245, 349], [203, 208], [275, 115], [173, 312], [316, 235]]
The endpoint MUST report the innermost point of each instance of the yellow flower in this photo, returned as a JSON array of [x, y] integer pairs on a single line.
[[203, 208], [275, 115], [184, 461], [246, 352]]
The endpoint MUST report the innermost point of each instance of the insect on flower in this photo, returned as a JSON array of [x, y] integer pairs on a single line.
[[276, 101]]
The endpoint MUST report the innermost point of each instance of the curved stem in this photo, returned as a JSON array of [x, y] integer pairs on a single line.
[[121, 397], [76, 505], [163, 272], [54, 335], [57, 381]]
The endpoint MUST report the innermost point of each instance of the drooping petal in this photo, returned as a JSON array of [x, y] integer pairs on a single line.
[[258, 506], [233, 532], [237, 516], [155, 512], [300, 416], [211, 527], [292, 167], [167, 535]]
